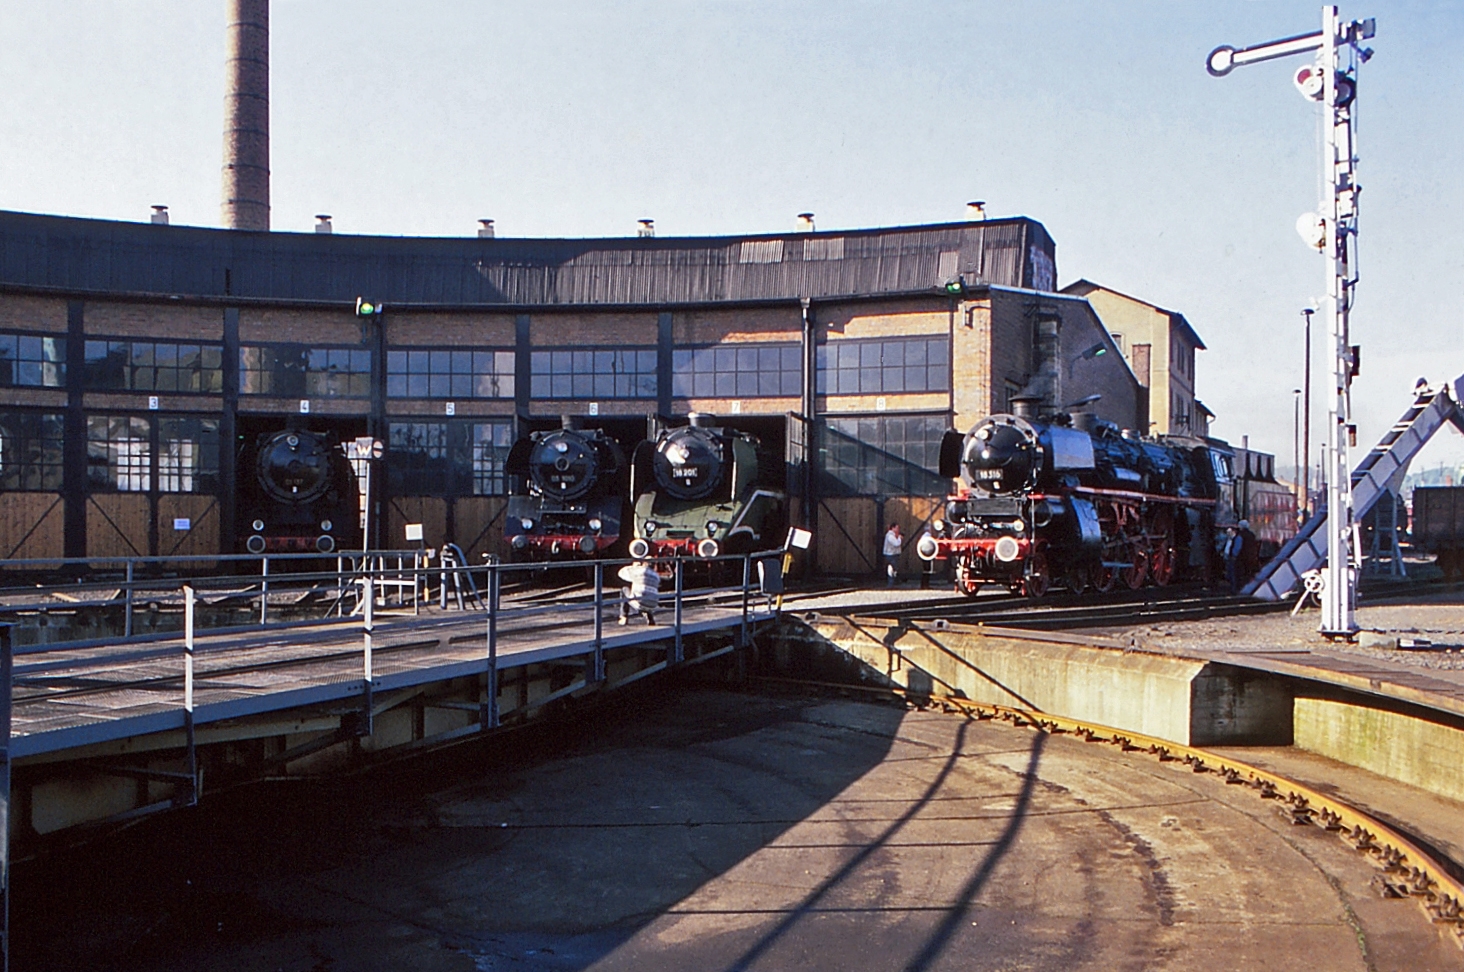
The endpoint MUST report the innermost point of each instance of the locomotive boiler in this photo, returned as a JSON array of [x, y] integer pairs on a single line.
[[573, 484], [697, 491], [1041, 503], [305, 497]]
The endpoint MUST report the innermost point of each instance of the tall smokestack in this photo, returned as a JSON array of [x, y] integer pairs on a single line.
[[246, 117]]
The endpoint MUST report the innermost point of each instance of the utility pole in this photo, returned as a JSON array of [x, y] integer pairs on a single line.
[[1333, 232], [1306, 416]]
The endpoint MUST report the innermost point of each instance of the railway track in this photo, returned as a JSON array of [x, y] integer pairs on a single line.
[[1013, 612]]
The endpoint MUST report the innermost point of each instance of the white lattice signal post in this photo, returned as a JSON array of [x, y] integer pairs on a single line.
[[1332, 80]]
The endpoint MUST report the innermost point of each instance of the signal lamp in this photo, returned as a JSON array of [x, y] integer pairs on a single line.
[[367, 308]]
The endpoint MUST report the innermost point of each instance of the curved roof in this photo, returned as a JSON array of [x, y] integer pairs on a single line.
[[89, 256]]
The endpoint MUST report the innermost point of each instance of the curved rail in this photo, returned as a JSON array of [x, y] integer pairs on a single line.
[[1413, 872]]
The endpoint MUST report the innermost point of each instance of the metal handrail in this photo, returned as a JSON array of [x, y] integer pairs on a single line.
[[377, 576]]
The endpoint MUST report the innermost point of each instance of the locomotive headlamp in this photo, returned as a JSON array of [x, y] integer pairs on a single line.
[[325, 525], [678, 454], [927, 548], [708, 548], [1007, 550], [712, 527], [587, 544], [639, 548], [650, 527], [938, 525], [594, 524], [561, 447], [1018, 525], [258, 525], [526, 523]]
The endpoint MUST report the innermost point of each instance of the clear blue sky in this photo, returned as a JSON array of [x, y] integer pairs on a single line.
[[576, 119]]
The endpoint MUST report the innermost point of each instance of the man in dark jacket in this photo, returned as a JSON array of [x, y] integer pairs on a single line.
[[1249, 561]]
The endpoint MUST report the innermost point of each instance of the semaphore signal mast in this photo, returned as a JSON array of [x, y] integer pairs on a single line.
[[1332, 80]]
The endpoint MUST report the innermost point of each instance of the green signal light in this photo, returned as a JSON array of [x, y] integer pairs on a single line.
[[956, 286], [366, 308]]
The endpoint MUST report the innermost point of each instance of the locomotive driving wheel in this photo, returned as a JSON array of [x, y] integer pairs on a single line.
[[1163, 552], [1137, 571], [1077, 580], [1103, 578], [966, 581], [1037, 577]]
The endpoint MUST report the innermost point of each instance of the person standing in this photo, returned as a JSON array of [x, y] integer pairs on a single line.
[[1248, 562], [892, 543], [641, 593], [1231, 553]]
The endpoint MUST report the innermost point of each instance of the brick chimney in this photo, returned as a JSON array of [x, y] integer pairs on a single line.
[[246, 117]]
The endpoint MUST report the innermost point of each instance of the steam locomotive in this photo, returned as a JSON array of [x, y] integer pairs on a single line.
[[1044, 502], [306, 498], [574, 487], [697, 491]]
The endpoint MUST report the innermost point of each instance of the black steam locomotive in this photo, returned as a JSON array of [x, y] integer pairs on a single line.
[[573, 485], [306, 498], [1088, 507], [697, 491]]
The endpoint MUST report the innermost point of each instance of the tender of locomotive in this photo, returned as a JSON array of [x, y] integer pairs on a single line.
[[1043, 503], [572, 497], [306, 498], [697, 491]]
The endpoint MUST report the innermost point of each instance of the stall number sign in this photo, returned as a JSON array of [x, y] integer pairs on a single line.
[[182, 524]]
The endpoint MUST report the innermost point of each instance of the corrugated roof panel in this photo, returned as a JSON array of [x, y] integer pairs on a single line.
[[101, 256]]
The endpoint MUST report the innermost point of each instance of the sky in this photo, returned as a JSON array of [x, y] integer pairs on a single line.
[[564, 119]]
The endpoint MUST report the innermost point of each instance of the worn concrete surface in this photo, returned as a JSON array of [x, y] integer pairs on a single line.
[[702, 829]]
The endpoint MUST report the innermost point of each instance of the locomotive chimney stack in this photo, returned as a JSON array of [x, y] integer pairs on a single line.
[[246, 117]]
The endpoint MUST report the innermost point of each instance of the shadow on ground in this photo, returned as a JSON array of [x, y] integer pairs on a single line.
[[542, 849]]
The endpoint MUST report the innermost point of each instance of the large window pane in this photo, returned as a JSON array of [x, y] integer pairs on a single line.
[[743, 371], [887, 455], [31, 445], [874, 367]]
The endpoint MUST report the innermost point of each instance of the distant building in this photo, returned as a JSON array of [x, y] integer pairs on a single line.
[[1160, 347]]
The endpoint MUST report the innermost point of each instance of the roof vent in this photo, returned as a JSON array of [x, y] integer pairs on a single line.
[[976, 209], [646, 228], [485, 229], [322, 223], [160, 215], [805, 222]]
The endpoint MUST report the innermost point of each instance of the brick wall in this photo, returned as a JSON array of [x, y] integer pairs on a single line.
[[32, 313], [290, 326], [179, 323]]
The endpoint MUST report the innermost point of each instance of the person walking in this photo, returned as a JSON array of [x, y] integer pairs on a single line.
[[892, 543], [641, 593]]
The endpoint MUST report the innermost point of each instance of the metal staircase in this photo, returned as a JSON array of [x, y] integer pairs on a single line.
[[1381, 470]]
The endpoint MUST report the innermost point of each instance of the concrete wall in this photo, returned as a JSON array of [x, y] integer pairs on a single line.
[[1409, 748], [1149, 694]]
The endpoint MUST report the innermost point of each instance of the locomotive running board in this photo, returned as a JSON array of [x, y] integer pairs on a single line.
[[1381, 470]]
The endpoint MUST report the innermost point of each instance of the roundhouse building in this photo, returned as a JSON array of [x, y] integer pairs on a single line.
[[139, 362]]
